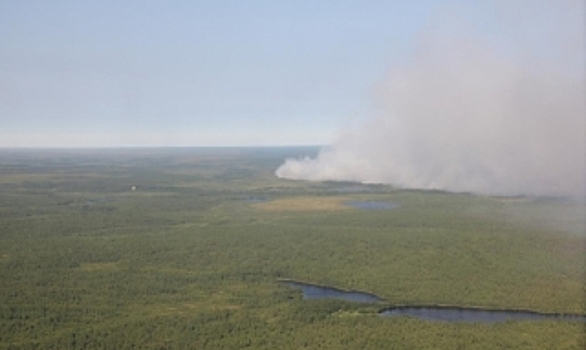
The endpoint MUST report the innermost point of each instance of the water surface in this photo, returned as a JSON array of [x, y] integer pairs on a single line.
[[256, 199], [453, 314], [311, 291], [428, 313]]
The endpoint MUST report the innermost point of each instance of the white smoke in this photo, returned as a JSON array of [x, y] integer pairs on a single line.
[[462, 117]]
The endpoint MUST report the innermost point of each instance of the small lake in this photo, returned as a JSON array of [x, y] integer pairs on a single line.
[[452, 314], [256, 199], [428, 313], [311, 291], [372, 205]]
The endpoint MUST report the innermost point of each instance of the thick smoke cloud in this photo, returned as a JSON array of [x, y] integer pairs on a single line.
[[464, 117]]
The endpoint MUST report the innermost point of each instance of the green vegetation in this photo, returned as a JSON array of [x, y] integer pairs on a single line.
[[187, 260]]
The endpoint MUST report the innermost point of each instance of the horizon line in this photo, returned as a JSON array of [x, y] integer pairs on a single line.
[[154, 147]]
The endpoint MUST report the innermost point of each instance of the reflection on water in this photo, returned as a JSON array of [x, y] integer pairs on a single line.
[[430, 313], [311, 291], [451, 314]]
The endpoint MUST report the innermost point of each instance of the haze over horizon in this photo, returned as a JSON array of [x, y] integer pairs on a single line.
[[482, 96], [469, 114]]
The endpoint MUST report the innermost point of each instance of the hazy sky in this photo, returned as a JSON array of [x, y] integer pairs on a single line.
[[207, 73]]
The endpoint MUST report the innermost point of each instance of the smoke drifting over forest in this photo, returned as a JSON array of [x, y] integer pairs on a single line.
[[465, 117]]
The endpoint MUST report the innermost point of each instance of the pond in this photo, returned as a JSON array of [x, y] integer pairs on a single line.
[[312, 291], [428, 313], [372, 205], [454, 314], [256, 199]]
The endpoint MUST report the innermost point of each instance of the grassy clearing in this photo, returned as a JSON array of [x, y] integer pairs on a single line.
[[304, 204]]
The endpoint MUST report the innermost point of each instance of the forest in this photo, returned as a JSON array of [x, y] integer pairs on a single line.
[[179, 248]]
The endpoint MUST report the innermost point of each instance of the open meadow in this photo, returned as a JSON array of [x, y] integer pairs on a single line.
[[184, 248]]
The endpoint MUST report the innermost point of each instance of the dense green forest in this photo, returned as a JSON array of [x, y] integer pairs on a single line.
[[183, 248]]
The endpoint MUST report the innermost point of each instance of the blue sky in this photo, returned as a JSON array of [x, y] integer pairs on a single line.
[[219, 73]]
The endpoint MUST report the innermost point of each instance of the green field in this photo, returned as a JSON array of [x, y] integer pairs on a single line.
[[191, 257]]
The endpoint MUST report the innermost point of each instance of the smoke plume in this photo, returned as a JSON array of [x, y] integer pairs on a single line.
[[464, 117]]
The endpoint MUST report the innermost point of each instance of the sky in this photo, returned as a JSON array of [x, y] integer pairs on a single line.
[[234, 73]]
